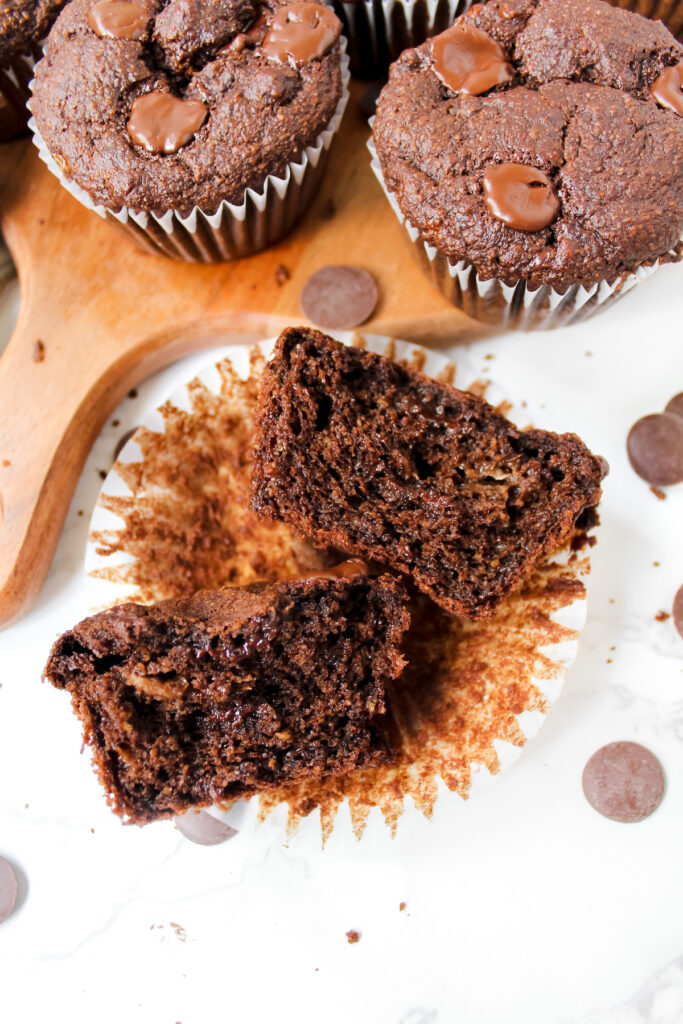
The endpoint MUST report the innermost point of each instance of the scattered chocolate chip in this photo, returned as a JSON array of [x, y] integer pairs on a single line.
[[655, 448], [38, 351], [675, 405], [8, 890], [662, 616], [658, 493], [282, 274], [339, 297], [623, 781], [202, 828], [368, 99], [352, 936], [677, 611], [123, 441]]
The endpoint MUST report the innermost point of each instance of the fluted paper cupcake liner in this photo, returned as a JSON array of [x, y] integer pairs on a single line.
[[378, 31], [513, 305], [15, 79], [497, 683], [236, 229]]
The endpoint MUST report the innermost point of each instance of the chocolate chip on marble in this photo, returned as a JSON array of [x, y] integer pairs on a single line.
[[202, 828], [623, 781], [339, 297], [677, 610], [8, 890], [655, 448], [675, 405]]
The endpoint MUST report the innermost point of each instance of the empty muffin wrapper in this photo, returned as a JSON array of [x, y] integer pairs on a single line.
[[235, 229], [493, 680], [515, 305], [378, 31]]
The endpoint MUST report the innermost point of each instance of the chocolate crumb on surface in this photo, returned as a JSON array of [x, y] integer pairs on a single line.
[[662, 616], [38, 351], [352, 936], [282, 275], [658, 493]]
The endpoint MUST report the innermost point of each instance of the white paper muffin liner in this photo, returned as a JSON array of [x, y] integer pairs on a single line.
[[558, 653], [379, 31], [515, 305], [15, 81], [235, 229]]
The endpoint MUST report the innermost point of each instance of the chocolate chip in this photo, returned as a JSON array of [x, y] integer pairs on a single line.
[[675, 405], [123, 441], [677, 611], [202, 828], [655, 448], [8, 890], [623, 781], [339, 297]]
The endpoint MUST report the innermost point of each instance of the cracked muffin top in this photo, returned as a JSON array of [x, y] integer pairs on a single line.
[[172, 104], [24, 24], [540, 139]]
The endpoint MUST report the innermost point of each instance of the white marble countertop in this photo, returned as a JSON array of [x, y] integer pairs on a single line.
[[522, 905]]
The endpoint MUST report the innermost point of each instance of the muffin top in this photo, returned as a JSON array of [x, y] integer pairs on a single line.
[[23, 24], [540, 139], [172, 104]]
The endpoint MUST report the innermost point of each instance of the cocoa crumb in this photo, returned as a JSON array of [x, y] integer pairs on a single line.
[[401, 906], [6, 462], [102, 474], [658, 493], [133, 393], [38, 351], [282, 274], [116, 423], [662, 616], [352, 936]]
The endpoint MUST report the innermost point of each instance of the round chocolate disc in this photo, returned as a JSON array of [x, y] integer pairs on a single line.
[[655, 448], [623, 781], [339, 297], [675, 405], [8, 890], [202, 828], [677, 610]]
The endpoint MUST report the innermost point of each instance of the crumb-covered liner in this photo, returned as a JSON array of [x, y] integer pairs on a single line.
[[473, 694], [513, 305], [15, 79], [235, 229], [378, 31]]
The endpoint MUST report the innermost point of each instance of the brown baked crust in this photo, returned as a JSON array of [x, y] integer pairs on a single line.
[[578, 108], [199, 700], [24, 24], [363, 454], [262, 114]]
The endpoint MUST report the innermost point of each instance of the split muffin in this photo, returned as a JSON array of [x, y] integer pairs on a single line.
[[535, 152], [23, 26], [200, 125]]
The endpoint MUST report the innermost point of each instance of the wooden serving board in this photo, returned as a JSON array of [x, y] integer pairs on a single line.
[[108, 315]]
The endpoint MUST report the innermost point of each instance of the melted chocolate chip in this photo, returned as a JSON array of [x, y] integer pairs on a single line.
[[655, 448], [675, 405], [119, 19], [677, 611], [339, 297], [8, 890], [163, 123], [520, 196], [667, 90], [467, 60], [300, 32], [623, 781], [202, 828]]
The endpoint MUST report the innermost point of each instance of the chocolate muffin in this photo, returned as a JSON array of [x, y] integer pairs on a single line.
[[201, 699], [23, 26], [668, 11], [535, 151], [363, 454], [202, 125]]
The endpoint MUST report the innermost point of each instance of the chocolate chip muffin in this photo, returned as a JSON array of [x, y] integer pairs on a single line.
[[668, 11], [535, 151], [23, 26], [200, 124]]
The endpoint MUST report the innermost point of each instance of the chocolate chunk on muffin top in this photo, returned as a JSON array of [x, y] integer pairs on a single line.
[[170, 105], [571, 94], [23, 24]]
